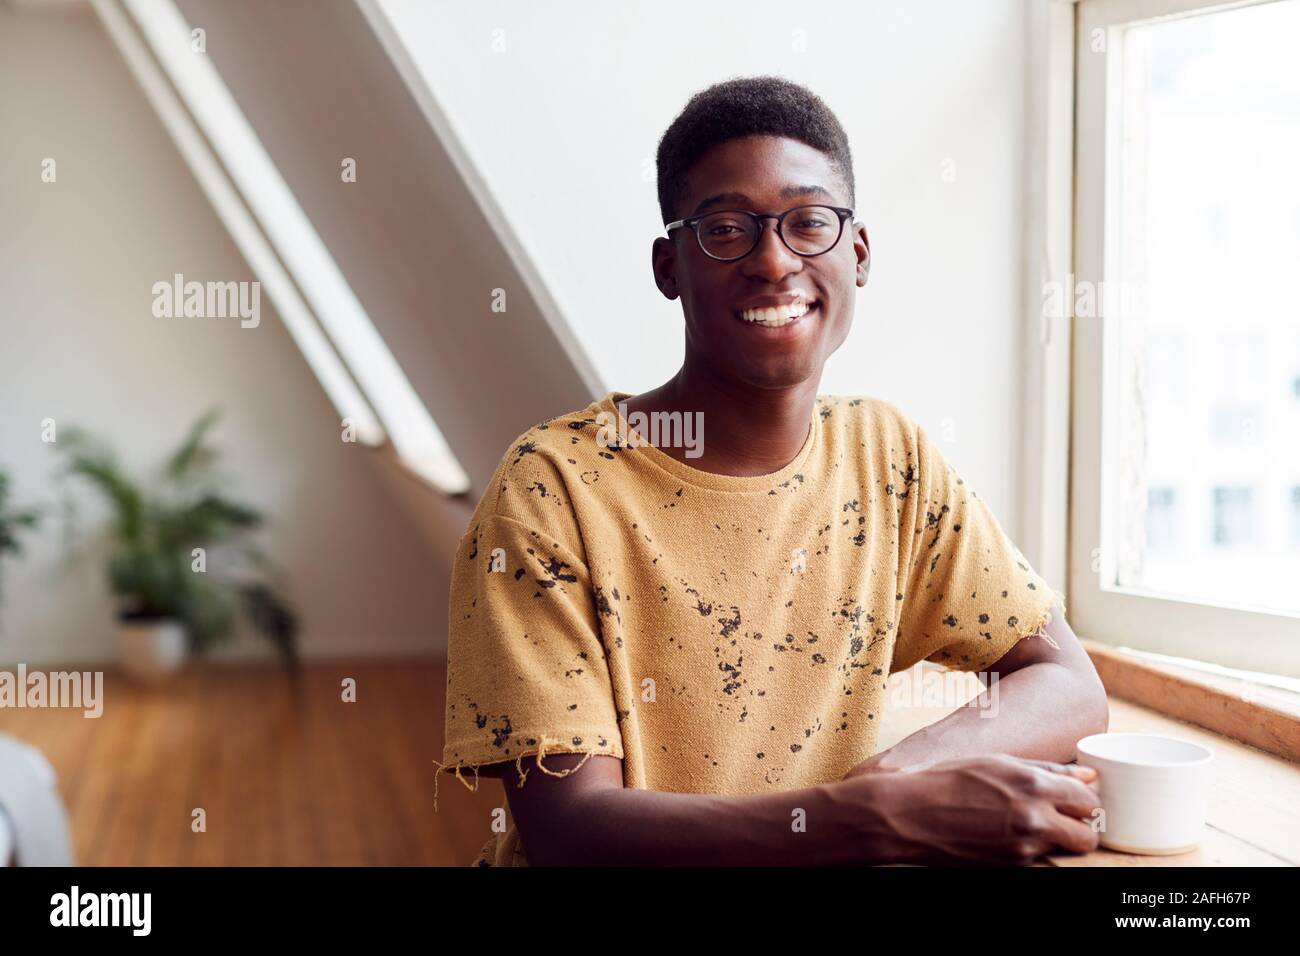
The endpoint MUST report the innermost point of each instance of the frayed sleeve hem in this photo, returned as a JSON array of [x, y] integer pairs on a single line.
[[538, 746], [997, 649]]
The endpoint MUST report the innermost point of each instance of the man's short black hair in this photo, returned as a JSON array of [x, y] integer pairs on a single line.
[[747, 106]]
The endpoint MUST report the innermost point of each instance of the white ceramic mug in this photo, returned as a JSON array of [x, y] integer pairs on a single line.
[[1154, 791]]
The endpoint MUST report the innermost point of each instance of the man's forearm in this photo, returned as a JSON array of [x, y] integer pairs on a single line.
[[1039, 711], [1044, 694], [834, 823]]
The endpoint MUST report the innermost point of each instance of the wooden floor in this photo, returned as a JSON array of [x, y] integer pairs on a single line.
[[286, 776]]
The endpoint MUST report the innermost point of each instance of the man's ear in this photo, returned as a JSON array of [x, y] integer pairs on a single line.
[[663, 264], [865, 265]]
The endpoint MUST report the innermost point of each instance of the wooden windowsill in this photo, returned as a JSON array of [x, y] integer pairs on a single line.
[[1252, 715]]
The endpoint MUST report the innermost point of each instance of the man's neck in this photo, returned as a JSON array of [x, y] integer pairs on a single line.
[[747, 431]]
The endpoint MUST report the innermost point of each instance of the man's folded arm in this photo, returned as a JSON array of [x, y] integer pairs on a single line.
[[589, 817]]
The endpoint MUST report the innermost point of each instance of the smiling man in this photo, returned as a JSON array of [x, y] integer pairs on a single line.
[[677, 656]]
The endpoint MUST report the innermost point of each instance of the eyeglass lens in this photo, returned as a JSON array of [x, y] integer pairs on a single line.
[[807, 230]]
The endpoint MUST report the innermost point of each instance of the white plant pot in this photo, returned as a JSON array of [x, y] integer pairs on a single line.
[[152, 650]]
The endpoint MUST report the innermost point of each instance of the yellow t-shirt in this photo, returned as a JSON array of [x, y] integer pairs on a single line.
[[720, 634]]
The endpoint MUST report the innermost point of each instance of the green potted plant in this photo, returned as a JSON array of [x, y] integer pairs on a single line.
[[171, 602], [13, 522]]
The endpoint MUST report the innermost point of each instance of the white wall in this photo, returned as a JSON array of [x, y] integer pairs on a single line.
[[78, 344], [564, 120]]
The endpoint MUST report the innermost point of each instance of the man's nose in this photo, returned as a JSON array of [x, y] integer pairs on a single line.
[[771, 258]]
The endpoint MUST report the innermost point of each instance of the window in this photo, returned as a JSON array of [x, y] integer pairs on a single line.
[[1234, 517], [1186, 448], [1162, 520], [1295, 516]]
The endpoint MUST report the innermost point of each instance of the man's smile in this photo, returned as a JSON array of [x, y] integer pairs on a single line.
[[777, 311]]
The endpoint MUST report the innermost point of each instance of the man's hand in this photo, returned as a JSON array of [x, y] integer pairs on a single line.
[[991, 809]]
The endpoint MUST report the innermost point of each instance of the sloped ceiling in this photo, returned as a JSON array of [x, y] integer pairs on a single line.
[[316, 84]]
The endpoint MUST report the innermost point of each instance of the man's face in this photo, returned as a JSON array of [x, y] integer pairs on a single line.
[[762, 174]]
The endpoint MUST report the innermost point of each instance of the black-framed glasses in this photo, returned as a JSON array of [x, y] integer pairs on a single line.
[[731, 234]]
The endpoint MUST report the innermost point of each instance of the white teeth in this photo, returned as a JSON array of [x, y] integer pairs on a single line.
[[777, 315]]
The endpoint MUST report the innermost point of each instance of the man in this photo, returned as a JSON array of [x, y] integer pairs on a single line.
[[676, 652]]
